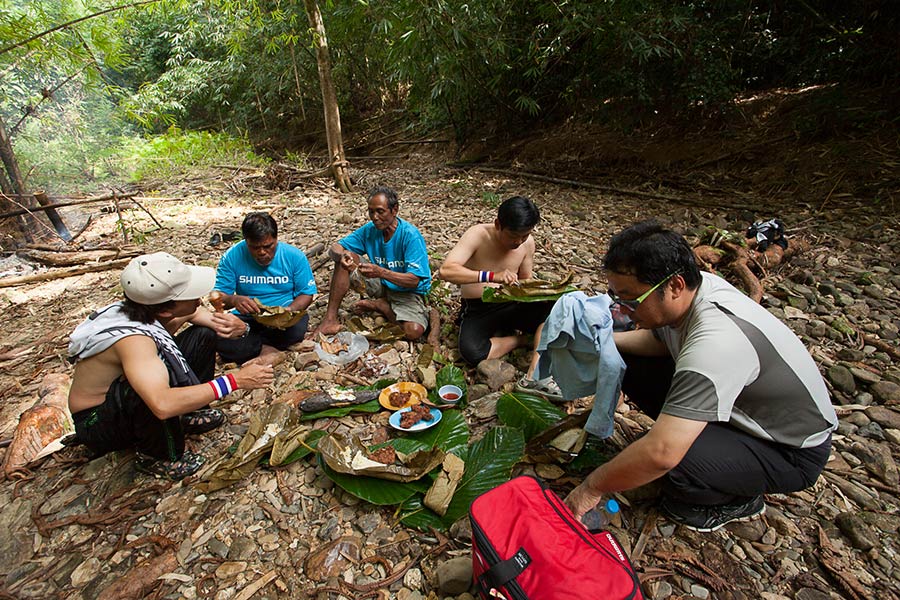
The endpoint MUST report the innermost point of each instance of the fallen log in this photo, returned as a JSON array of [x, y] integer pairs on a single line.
[[70, 259], [46, 421], [63, 273]]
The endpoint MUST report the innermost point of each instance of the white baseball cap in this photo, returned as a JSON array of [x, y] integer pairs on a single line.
[[160, 277]]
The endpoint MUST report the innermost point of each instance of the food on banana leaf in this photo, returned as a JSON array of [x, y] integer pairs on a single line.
[[277, 317], [385, 456], [530, 290], [335, 399]]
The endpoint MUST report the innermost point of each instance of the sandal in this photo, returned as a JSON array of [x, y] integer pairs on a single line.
[[188, 464], [545, 387], [203, 420]]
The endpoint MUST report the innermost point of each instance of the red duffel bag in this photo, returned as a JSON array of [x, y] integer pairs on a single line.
[[527, 544]]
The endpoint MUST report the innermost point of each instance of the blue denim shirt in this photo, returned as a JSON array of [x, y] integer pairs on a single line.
[[578, 350]]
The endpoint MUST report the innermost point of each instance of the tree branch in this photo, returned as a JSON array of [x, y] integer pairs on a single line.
[[73, 22]]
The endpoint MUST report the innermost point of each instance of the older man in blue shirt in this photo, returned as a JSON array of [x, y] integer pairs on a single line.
[[396, 279]]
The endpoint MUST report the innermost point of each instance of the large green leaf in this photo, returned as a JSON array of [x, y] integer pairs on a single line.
[[371, 406], [415, 514], [450, 435], [489, 463], [449, 374], [528, 412], [595, 453], [371, 489]]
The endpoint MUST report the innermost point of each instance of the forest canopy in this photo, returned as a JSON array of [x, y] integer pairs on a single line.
[[249, 66]]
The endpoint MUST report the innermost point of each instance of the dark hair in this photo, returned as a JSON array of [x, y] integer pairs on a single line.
[[389, 194], [651, 253], [518, 214], [258, 226], [144, 313]]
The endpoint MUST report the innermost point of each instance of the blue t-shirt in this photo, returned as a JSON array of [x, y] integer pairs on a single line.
[[276, 284], [405, 252]]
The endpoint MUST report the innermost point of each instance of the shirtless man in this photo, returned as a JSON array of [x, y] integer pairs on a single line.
[[499, 252], [398, 277], [135, 385]]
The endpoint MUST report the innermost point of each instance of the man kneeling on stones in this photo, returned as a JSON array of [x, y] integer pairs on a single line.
[[741, 409], [137, 386], [398, 277], [275, 273], [493, 253]]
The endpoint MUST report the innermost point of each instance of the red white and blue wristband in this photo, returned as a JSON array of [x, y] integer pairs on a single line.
[[485, 276], [224, 385]]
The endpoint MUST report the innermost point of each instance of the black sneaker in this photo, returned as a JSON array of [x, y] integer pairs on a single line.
[[188, 464], [711, 518], [203, 420]]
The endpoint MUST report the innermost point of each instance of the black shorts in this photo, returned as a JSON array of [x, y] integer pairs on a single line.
[[480, 321]]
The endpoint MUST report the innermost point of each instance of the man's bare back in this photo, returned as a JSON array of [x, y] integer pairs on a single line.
[[92, 379]]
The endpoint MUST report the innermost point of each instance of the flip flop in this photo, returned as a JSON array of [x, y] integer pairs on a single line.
[[188, 464]]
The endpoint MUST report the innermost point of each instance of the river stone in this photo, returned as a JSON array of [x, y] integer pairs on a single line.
[[842, 379], [242, 548], [887, 392], [850, 354], [227, 570], [476, 391], [878, 460], [886, 417], [333, 559], [856, 530], [15, 541], [455, 575], [865, 375], [496, 372]]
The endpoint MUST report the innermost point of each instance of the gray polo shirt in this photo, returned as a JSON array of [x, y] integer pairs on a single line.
[[736, 363]]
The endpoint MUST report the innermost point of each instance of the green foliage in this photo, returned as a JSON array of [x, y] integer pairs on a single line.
[[172, 153], [528, 412]]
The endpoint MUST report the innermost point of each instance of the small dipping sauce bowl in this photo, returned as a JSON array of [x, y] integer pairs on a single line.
[[450, 394]]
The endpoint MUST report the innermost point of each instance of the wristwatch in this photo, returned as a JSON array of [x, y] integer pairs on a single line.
[[246, 331]]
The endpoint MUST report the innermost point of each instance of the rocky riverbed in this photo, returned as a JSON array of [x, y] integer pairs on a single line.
[[79, 528]]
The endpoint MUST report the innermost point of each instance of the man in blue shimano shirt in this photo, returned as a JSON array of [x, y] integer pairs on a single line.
[[396, 279], [275, 273]]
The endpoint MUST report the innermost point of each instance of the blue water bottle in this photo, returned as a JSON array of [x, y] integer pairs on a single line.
[[601, 515]]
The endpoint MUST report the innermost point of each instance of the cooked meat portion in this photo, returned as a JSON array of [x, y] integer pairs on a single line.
[[414, 415]]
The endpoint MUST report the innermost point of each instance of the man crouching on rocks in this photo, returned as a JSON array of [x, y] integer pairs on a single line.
[[137, 386]]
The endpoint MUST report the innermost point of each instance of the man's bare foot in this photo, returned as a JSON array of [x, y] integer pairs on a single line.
[[327, 327]]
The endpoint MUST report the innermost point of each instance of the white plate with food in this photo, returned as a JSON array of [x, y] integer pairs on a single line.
[[415, 418]]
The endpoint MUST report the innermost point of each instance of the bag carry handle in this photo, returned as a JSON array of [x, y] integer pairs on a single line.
[[505, 571]]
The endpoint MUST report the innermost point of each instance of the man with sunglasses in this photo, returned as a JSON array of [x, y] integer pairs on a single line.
[[741, 409]]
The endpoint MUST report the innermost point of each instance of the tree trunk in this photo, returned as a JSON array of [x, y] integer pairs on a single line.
[[339, 166], [14, 185]]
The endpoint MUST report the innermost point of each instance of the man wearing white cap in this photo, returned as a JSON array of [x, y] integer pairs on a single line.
[[137, 386]]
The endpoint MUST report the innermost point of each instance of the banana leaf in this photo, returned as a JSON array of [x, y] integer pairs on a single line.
[[371, 406], [530, 290], [528, 412], [375, 491], [489, 462], [347, 455], [310, 443], [450, 435]]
